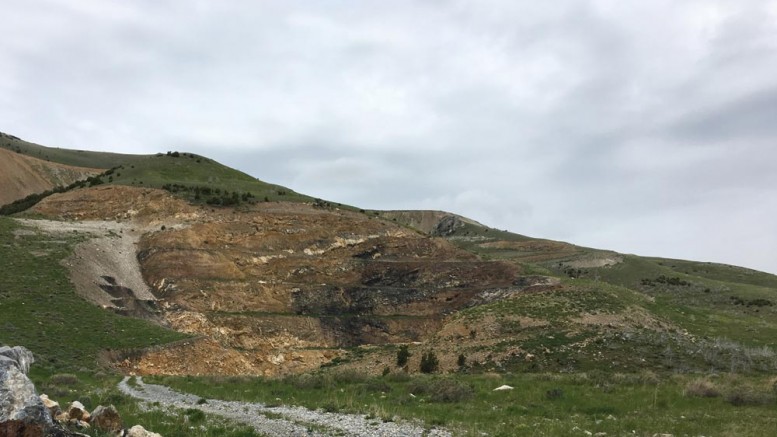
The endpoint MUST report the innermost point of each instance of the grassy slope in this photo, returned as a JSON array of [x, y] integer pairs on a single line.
[[79, 158], [158, 170], [712, 306], [192, 170]]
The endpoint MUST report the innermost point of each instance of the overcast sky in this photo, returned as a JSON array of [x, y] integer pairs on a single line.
[[647, 127]]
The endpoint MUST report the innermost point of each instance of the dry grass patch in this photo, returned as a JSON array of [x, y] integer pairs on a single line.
[[701, 388]]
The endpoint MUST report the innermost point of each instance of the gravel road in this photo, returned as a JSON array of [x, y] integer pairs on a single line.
[[280, 421]]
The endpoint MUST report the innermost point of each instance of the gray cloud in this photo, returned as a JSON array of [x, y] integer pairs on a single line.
[[645, 127]]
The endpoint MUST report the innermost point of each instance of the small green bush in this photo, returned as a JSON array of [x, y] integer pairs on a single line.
[[66, 379], [743, 396], [429, 362], [195, 415], [555, 393], [349, 377], [398, 377], [377, 386], [402, 355]]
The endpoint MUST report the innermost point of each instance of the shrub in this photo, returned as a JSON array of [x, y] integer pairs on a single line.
[[398, 377], [307, 382], [377, 385], [742, 396], [429, 362], [462, 360], [350, 377], [195, 415], [701, 388], [442, 390], [555, 393], [66, 379], [402, 355]]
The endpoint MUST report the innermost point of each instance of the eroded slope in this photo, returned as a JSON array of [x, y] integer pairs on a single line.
[[281, 283], [22, 175]]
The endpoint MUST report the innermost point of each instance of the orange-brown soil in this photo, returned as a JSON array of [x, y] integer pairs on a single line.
[[276, 288], [22, 175]]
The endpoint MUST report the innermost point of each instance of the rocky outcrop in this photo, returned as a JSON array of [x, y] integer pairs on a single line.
[[447, 225], [25, 414], [18, 400], [18, 356]]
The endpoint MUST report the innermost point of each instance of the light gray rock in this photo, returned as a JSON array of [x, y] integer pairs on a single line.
[[18, 400], [18, 356], [139, 431]]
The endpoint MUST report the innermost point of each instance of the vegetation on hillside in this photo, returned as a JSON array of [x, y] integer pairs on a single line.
[[185, 171]]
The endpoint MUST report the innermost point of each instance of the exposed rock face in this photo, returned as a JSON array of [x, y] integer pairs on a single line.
[[18, 400], [106, 419], [276, 287], [447, 226]]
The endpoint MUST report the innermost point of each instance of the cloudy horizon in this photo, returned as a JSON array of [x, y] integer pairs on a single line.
[[641, 127]]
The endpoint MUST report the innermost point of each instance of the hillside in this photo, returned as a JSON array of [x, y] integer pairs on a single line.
[[190, 176], [21, 175], [175, 265]]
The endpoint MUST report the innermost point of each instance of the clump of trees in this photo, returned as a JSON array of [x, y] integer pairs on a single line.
[[429, 362], [211, 196], [33, 199], [403, 354], [736, 300], [675, 280]]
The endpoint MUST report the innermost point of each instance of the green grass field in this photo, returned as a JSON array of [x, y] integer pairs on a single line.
[[540, 404]]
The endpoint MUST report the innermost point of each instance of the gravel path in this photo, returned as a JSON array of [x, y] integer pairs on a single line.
[[279, 421]]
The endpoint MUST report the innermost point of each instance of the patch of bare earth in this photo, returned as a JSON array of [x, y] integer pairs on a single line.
[[104, 267], [22, 175], [274, 288]]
